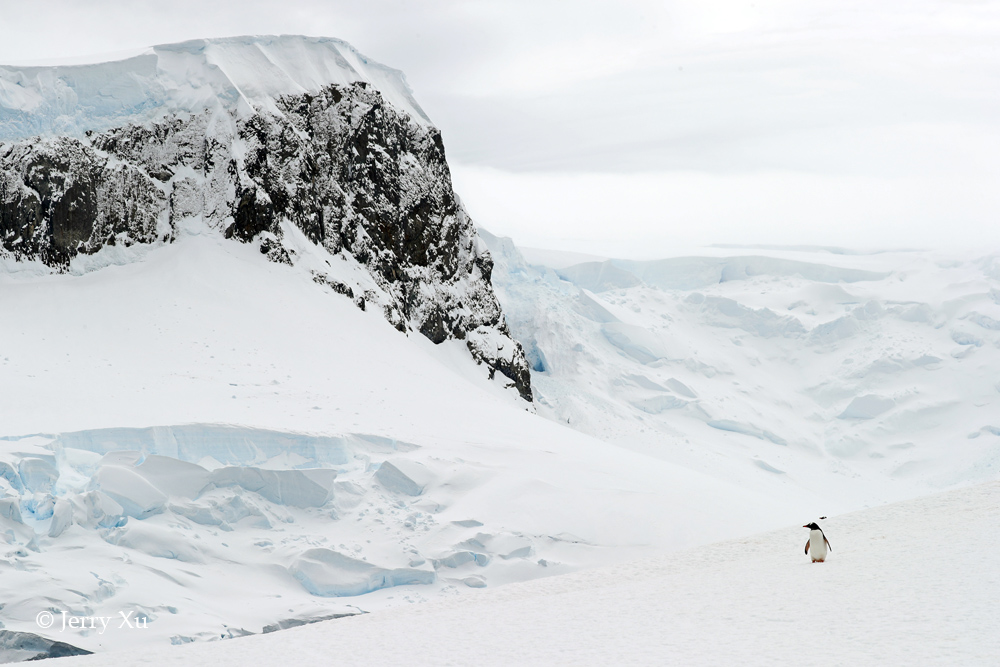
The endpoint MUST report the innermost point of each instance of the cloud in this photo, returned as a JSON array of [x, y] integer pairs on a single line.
[[745, 115], [653, 214]]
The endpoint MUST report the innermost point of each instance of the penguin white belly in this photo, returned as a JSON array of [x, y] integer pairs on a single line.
[[817, 545]]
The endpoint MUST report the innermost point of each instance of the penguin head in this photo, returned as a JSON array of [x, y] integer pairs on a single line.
[[812, 526]]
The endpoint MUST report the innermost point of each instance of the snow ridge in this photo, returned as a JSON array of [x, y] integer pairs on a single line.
[[241, 74]]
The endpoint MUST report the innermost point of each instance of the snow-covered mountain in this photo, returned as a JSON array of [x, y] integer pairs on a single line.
[[253, 368], [262, 138]]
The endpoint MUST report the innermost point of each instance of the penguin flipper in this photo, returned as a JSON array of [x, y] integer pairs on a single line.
[[807, 547], [827, 543]]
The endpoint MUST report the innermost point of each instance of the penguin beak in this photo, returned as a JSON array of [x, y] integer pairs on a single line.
[[806, 525]]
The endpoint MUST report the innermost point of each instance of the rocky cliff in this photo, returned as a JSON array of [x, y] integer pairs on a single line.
[[341, 165]]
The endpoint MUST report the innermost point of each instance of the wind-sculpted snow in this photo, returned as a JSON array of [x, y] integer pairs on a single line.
[[165, 494], [226, 445], [238, 74], [210, 531], [328, 573], [745, 429], [867, 407], [278, 142], [763, 322], [402, 476], [742, 366]]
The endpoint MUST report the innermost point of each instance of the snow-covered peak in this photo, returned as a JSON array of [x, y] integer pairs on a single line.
[[232, 73]]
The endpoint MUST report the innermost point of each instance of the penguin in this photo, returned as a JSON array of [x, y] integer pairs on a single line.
[[817, 542]]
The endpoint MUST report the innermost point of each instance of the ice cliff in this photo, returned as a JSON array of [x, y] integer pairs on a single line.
[[260, 138]]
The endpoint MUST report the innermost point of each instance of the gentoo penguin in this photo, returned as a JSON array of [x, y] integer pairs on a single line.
[[817, 542]]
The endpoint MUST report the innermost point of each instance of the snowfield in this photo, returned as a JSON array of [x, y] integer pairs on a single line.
[[224, 445], [911, 583]]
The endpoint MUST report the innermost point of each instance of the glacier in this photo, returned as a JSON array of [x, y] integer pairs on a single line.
[[235, 74]]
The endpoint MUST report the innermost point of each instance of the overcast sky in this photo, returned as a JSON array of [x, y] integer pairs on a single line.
[[635, 127]]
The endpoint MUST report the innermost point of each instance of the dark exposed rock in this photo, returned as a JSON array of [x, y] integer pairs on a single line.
[[60, 197], [27, 646], [296, 622], [335, 285], [352, 173]]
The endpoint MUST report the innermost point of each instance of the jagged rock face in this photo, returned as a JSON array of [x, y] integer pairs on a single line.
[[347, 169], [59, 197]]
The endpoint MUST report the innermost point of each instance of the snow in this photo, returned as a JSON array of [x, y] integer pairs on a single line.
[[686, 273], [234, 74], [868, 406], [801, 371], [909, 583], [137, 497], [327, 573], [224, 445], [557, 259], [402, 476]]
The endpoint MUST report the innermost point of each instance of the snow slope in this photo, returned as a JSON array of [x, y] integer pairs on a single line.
[[864, 378], [227, 444], [909, 583], [233, 74]]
